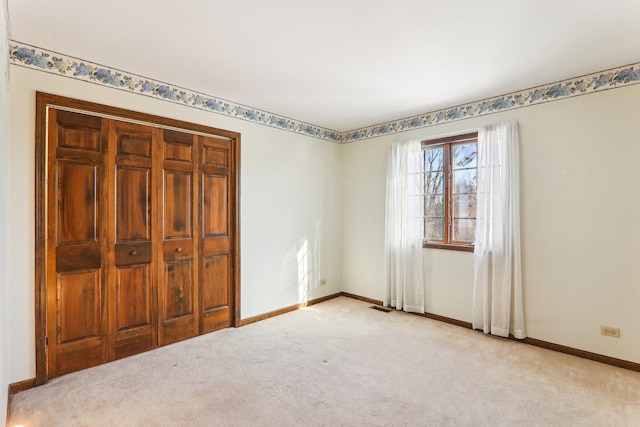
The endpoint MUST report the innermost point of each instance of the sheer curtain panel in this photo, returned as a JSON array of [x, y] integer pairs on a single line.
[[404, 278], [497, 293]]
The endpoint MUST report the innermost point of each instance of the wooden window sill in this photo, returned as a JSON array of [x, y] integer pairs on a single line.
[[452, 247]]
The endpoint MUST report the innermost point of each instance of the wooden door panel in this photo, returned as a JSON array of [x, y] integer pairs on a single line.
[[178, 298], [219, 318], [179, 289], [135, 329], [177, 146], [178, 249], [178, 152], [133, 253], [78, 131], [177, 205], [178, 329], [80, 341], [133, 296], [133, 204], [77, 203], [79, 355], [218, 245], [133, 144], [131, 140], [215, 281], [80, 139], [215, 203], [80, 306], [216, 156], [134, 341], [78, 257]]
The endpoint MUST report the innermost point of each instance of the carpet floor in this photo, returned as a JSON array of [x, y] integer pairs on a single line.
[[339, 363]]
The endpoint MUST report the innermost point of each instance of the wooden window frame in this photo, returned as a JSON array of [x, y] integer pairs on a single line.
[[447, 143]]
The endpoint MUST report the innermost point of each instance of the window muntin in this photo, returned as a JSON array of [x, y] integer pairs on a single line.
[[450, 187]]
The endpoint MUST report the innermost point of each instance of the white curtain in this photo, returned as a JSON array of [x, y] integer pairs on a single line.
[[497, 292], [404, 279]]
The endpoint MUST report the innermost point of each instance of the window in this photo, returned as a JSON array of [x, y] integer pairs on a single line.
[[450, 186]]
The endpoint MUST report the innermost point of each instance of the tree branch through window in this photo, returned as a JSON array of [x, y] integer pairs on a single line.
[[450, 187]]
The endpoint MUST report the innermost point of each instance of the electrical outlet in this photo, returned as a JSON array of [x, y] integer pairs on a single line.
[[307, 287], [323, 282], [609, 331]]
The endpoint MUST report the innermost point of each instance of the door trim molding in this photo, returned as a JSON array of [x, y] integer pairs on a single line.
[[43, 102]]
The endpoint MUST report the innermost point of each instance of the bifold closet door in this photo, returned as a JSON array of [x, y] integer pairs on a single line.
[[178, 278], [132, 281], [139, 238], [216, 172], [77, 238]]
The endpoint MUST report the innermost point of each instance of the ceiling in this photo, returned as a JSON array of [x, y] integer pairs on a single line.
[[340, 64]]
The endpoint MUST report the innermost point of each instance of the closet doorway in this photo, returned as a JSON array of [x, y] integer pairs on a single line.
[[137, 233]]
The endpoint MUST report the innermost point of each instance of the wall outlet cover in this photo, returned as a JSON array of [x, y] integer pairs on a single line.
[[609, 331]]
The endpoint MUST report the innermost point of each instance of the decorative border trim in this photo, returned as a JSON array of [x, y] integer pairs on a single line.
[[52, 62], [25, 55], [596, 82]]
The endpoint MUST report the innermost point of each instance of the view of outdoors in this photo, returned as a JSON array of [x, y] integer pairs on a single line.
[[434, 193], [465, 187], [463, 192]]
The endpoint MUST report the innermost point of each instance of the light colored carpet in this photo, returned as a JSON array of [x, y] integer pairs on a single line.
[[339, 363]]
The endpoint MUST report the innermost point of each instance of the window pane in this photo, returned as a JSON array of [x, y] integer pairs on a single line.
[[434, 183], [465, 181], [464, 206], [465, 155], [434, 206], [464, 230], [433, 159], [433, 228]]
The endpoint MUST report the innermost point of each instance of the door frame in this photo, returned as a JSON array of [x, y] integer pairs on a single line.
[[44, 101]]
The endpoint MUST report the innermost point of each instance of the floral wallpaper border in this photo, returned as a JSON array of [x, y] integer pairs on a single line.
[[37, 58], [56, 63], [596, 82]]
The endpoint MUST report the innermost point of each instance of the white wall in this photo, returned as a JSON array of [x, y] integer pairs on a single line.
[[4, 186], [290, 200], [312, 210], [580, 212]]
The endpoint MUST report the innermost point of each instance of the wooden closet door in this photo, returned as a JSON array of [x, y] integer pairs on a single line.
[[216, 183], [133, 274], [135, 236], [77, 255], [178, 277]]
